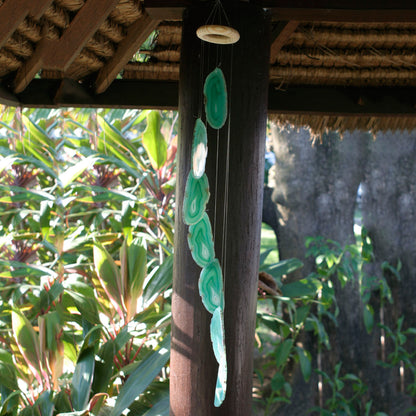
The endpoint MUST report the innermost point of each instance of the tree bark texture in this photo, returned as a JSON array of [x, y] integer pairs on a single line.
[[193, 367], [389, 214], [315, 191]]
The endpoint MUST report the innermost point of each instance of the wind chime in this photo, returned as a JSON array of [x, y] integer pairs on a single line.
[[200, 236]]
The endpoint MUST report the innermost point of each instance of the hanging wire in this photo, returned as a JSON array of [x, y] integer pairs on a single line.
[[227, 174]]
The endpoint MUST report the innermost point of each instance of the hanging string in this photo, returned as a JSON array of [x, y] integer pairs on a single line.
[[227, 175]]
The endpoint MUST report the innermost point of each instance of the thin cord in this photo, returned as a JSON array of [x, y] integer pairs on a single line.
[[227, 175], [201, 77]]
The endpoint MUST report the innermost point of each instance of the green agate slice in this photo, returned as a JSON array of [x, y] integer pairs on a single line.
[[196, 198], [218, 345], [221, 386], [210, 286], [215, 91], [217, 334], [199, 149], [200, 242]]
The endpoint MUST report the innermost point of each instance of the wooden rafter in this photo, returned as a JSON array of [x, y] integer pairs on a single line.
[[59, 54], [280, 36], [13, 12], [137, 33], [166, 9], [325, 100], [317, 11]]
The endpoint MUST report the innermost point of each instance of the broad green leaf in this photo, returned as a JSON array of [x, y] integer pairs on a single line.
[[154, 142], [28, 342], [277, 382], [283, 267], [283, 351], [264, 254], [107, 195], [18, 194], [45, 217], [368, 318], [36, 133], [302, 288], [305, 363], [114, 139], [8, 377], [104, 367], [84, 299], [45, 403], [141, 377], [109, 276], [137, 270], [82, 379], [158, 281], [160, 408], [72, 173], [23, 269]]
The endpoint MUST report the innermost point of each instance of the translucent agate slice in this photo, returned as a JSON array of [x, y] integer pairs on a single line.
[[215, 91], [199, 149], [200, 242], [217, 334], [195, 199], [218, 345], [211, 286], [221, 386]]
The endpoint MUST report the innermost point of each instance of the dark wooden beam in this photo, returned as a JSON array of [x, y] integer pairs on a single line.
[[342, 101], [280, 35], [166, 9], [7, 97], [59, 54], [377, 102], [120, 94], [317, 10], [137, 33]]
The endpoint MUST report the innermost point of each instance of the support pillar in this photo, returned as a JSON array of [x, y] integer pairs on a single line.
[[245, 66]]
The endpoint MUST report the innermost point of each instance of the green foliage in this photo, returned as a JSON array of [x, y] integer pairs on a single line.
[[86, 233], [310, 305]]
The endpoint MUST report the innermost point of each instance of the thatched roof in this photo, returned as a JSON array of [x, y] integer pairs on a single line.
[[95, 42]]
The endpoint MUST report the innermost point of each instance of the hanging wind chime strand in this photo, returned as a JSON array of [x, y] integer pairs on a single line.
[[200, 236]]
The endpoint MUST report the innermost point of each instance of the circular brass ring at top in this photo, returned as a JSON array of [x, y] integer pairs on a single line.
[[222, 35]]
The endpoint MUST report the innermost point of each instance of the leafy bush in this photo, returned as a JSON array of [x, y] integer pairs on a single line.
[[308, 305], [86, 231]]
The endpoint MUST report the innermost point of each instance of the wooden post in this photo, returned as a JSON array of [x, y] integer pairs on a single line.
[[245, 65]]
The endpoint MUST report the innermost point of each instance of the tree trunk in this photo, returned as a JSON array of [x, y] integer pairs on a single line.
[[389, 214], [315, 193], [193, 368]]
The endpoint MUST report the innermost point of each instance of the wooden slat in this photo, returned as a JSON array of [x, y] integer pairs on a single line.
[[343, 10], [377, 102], [305, 10], [59, 54], [280, 36], [351, 101], [13, 12], [137, 33], [120, 94], [7, 97], [165, 9]]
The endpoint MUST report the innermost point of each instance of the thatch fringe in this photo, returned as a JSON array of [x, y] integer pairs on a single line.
[[126, 12], [101, 46], [71, 5], [367, 57], [322, 124], [57, 15], [151, 71], [336, 37], [343, 76]]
